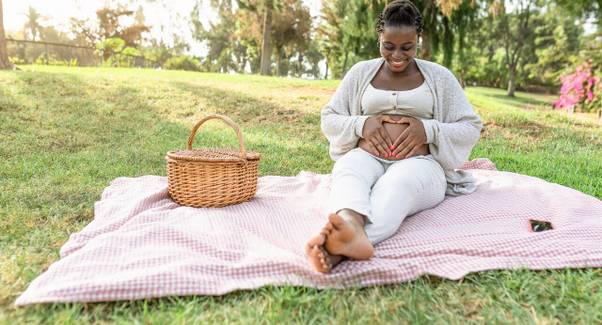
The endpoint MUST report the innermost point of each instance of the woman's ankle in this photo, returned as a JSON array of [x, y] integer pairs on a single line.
[[349, 214]]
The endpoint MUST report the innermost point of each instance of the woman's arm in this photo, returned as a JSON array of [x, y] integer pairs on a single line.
[[452, 138], [342, 129]]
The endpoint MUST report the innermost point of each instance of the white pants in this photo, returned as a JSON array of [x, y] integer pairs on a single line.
[[385, 192]]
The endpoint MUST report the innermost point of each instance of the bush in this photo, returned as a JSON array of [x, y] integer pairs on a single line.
[[580, 90], [43, 59], [182, 62], [16, 60]]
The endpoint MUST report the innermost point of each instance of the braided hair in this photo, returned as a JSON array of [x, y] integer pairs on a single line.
[[399, 13]]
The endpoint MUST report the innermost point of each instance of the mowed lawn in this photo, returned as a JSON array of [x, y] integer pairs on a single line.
[[67, 132]]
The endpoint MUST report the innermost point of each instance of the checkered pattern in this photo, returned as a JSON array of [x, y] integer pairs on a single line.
[[143, 245]]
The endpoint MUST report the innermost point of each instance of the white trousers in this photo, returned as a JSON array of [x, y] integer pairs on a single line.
[[385, 192]]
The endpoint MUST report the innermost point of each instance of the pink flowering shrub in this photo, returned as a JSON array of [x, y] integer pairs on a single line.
[[581, 89]]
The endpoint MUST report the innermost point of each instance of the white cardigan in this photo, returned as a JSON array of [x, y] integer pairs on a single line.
[[451, 134]]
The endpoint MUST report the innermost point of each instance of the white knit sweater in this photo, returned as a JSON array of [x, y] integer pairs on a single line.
[[451, 134]]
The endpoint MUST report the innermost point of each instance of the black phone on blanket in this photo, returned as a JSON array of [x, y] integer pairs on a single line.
[[540, 225]]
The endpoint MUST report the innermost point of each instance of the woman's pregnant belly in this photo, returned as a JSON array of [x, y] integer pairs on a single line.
[[394, 130]]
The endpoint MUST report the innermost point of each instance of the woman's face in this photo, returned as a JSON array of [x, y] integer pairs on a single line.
[[398, 46]]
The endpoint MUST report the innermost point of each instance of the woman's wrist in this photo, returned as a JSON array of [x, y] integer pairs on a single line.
[[429, 129], [359, 125]]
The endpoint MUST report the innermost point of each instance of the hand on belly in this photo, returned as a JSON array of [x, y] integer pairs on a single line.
[[394, 130]]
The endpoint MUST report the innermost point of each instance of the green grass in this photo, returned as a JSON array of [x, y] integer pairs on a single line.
[[67, 132]]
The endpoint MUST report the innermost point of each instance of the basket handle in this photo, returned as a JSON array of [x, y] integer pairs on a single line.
[[227, 120]]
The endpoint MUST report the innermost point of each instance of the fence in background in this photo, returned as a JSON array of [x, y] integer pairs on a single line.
[[53, 53]]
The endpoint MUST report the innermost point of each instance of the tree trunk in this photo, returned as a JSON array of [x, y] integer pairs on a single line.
[[243, 65], [512, 80], [427, 16], [425, 52], [278, 63], [4, 63], [344, 70], [266, 49], [326, 73], [300, 67]]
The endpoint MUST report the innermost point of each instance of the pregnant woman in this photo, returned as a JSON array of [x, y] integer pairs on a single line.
[[398, 127]]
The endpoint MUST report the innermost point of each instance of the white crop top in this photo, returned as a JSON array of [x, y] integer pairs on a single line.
[[417, 102]]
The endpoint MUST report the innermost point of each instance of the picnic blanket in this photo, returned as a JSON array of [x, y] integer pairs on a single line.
[[143, 245]]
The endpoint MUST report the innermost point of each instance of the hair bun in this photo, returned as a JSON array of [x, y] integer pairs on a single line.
[[400, 13]]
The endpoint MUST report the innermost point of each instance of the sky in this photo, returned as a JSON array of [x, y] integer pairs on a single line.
[[166, 19]]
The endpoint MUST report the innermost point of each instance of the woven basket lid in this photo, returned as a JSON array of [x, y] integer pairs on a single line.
[[214, 154]]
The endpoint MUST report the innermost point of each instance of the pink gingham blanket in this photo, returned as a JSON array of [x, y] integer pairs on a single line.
[[143, 245]]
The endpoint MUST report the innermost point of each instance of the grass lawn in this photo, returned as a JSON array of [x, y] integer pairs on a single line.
[[67, 132]]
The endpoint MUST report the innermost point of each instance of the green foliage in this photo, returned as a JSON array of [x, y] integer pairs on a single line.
[[116, 53], [360, 39], [182, 62], [32, 27], [330, 35], [131, 51], [556, 45], [583, 8], [159, 52], [349, 30], [220, 39], [110, 46], [234, 42], [53, 60], [538, 49], [291, 26], [16, 60]]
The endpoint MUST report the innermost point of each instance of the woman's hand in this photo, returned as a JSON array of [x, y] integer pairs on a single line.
[[377, 137], [411, 140]]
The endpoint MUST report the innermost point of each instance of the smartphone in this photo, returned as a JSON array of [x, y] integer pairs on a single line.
[[540, 225]]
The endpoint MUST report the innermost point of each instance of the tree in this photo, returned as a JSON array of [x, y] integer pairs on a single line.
[[330, 34], [220, 37], [266, 49], [4, 62], [584, 8], [555, 46], [107, 27], [290, 33], [516, 30], [32, 26], [249, 34], [235, 42], [110, 27], [314, 56], [350, 36]]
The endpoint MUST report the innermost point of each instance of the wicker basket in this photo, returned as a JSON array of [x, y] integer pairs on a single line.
[[212, 177]]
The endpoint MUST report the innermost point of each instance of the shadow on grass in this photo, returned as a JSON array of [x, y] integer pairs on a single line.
[[242, 107], [520, 100], [65, 138]]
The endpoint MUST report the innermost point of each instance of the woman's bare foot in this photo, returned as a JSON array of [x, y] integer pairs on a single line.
[[318, 257], [344, 235]]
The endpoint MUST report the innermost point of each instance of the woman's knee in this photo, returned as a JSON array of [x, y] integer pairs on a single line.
[[358, 163], [418, 175]]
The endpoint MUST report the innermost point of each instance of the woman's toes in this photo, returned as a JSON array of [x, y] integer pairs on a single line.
[[324, 260], [317, 240], [336, 221], [323, 257]]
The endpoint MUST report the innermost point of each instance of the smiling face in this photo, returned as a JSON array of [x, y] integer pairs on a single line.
[[398, 47]]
